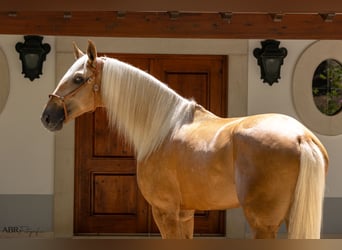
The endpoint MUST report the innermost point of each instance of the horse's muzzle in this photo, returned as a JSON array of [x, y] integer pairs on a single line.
[[53, 117]]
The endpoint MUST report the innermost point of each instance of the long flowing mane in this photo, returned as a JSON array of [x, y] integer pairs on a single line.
[[144, 109]]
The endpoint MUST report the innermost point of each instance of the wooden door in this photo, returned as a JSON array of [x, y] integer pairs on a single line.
[[107, 198]]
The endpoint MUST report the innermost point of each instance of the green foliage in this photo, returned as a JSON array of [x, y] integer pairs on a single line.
[[331, 102]]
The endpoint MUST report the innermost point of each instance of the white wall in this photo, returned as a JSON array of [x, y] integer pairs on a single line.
[[26, 148], [263, 98]]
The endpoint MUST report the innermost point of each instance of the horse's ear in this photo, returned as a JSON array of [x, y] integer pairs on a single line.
[[91, 52], [77, 52]]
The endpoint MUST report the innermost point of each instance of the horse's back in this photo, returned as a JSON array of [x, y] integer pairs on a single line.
[[277, 133], [267, 127]]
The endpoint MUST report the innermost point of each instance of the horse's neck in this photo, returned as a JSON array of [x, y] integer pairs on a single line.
[[144, 109]]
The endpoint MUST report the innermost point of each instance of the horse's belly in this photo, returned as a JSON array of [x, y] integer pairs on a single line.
[[194, 178], [205, 190], [209, 200]]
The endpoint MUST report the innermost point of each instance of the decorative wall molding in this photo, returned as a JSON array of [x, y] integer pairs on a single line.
[[5, 80], [302, 87]]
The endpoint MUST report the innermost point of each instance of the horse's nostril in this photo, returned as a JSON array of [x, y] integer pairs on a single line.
[[46, 119]]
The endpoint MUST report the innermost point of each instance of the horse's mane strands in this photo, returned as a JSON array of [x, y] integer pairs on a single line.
[[145, 110]]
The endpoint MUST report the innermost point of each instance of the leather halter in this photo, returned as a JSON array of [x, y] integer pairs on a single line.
[[94, 79]]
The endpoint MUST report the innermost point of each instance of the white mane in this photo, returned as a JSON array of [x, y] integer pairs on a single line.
[[145, 110]]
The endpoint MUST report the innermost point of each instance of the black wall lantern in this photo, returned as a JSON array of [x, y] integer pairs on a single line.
[[32, 55], [270, 58]]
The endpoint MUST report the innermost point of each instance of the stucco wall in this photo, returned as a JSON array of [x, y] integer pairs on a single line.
[[26, 148]]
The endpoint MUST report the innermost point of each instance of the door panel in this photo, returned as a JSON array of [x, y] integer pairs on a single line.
[[184, 83], [108, 142], [107, 198], [120, 190]]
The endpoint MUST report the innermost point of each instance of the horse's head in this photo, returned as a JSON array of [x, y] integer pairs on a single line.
[[78, 91]]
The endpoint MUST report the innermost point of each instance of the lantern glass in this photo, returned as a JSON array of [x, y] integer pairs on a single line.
[[31, 61], [272, 68]]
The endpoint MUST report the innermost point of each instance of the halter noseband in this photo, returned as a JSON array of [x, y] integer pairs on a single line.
[[94, 77]]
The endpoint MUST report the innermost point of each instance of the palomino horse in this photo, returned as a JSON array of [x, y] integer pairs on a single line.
[[189, 159]]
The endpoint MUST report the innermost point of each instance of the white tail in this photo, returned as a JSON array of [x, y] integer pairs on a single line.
[[306, 212]]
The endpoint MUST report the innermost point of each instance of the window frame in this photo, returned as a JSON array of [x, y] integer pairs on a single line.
[[302, 97]]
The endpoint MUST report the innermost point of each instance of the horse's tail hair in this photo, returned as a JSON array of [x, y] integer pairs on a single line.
[[306, 212]]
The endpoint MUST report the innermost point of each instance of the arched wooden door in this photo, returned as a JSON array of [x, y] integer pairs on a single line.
[[107, 199]]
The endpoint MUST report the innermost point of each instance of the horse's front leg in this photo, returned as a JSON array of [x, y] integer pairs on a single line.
[[174, 224], [186, 218]]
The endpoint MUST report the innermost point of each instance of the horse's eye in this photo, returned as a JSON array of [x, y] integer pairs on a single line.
[[78, 79]]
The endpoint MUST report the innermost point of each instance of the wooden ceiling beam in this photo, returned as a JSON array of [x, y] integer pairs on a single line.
[[173, 24], [240, 6]]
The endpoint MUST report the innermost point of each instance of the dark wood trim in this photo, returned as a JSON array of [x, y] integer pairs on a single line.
[[241, 6], [176, 25]]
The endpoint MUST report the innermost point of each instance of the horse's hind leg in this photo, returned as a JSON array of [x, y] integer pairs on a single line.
[[262, 227], [174, 224], [266, 172], [261, 233]]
